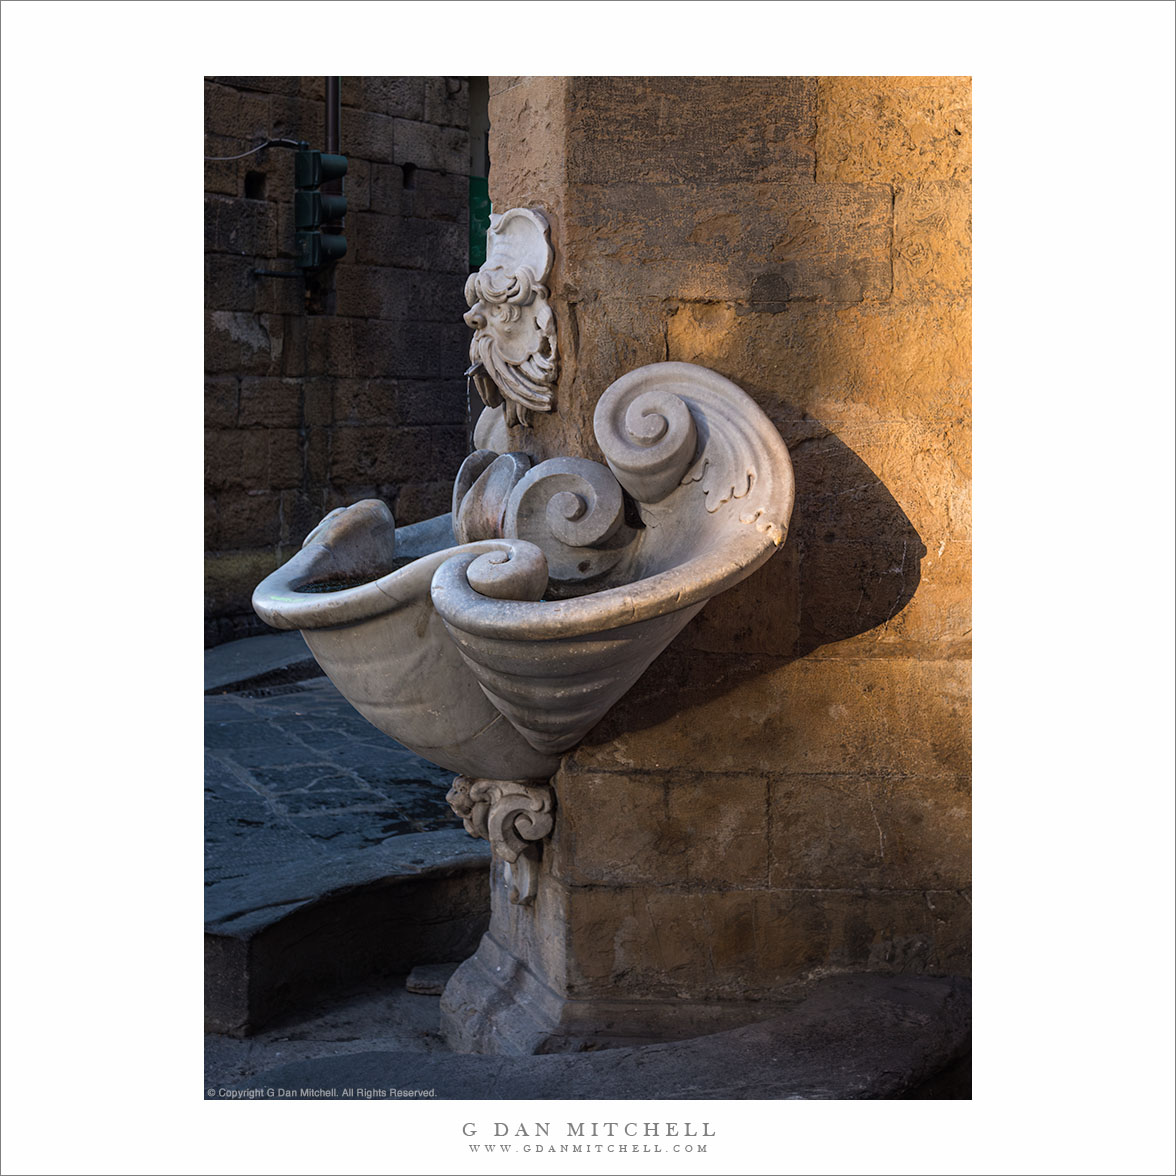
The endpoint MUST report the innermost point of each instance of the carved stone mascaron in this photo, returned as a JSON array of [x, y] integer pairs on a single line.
[[513, 355]]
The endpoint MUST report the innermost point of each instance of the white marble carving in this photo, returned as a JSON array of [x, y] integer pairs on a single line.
[[495, 656], [514, 816], [514, 352]]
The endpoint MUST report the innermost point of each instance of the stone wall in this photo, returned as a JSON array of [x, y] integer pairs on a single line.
[[319, 394], [804, 745]]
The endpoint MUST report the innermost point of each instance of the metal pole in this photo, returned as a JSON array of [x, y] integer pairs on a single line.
[[333, 116], [333, 120]]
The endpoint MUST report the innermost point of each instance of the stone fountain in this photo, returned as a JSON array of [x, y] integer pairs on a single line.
[[492, 640]]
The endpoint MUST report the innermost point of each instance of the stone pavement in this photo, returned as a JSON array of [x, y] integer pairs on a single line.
[[850, 1037], [331, 855], [293, 770]]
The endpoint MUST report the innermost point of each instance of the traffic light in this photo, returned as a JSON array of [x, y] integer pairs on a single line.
[[315, 210]]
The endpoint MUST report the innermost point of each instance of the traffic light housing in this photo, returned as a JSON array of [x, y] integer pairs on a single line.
[[318, 215]]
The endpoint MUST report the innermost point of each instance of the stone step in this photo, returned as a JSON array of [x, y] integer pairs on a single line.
[[274, 659], [279, 939], [331, 855]]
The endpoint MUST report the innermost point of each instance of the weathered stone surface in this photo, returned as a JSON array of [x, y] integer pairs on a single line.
[[439, 148], [331, 855], [880, 832], [530, 115], [852, 1037], [817, 714], [763, 244], [429, 979], [669, 130], [656, 832], [890, 130], [932, 241]]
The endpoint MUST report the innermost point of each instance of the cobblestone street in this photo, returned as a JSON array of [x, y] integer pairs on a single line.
[[293, 772]]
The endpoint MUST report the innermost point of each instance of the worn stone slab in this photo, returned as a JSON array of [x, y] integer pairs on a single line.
[[256, 661], [331, 855], [429, 979], [281, 941], [855, 1037], [243, 906]]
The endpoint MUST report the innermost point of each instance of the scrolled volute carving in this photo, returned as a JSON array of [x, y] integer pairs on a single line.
[[514, 351], [513, 815], [517, 574], [648, 436], [481, 492], [572, 509]]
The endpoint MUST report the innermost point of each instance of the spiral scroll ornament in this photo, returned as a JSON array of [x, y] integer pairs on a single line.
[[648, 436], [517, 574], [481, 492], [572, 509], [513, 815]]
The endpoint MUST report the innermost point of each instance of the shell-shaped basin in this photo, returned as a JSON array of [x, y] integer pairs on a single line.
[[467, 654]]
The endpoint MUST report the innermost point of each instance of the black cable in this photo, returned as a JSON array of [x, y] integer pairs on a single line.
[[252, 150]]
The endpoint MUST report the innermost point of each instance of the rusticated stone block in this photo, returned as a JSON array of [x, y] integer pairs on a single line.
[[924, 470], [368, 135], [220, 402], [501, 85], [401, 97], [874, 832], [819, 714], [893, 130], [370, 291], [932, 241], [447, 102], [759, 615], [531, 115], [690, 129], [445, 149], [230, 577], [299, 514], [242, 343], [920, 605], [270, 403], [662, 942], [365, 402], [451, 445], [282, 85], [365, 454], [763, 245], [247, 519], [865, 363], [298, 118], [228, 112], [433, 402], [632, 829], [357, 184], [420, 500], [245, 227], [416, 244], [252, 459]]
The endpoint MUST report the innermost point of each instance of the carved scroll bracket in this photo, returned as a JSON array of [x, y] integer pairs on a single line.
[[514, 816]]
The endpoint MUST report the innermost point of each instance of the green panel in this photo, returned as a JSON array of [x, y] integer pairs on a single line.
[[479, 219]]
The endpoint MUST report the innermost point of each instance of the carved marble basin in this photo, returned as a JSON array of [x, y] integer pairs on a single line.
[[493, 654]]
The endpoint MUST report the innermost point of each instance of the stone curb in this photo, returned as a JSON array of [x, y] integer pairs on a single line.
[[271, 660], [277, 941]]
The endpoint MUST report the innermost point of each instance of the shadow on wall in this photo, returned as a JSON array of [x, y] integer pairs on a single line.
[[851, 564]]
